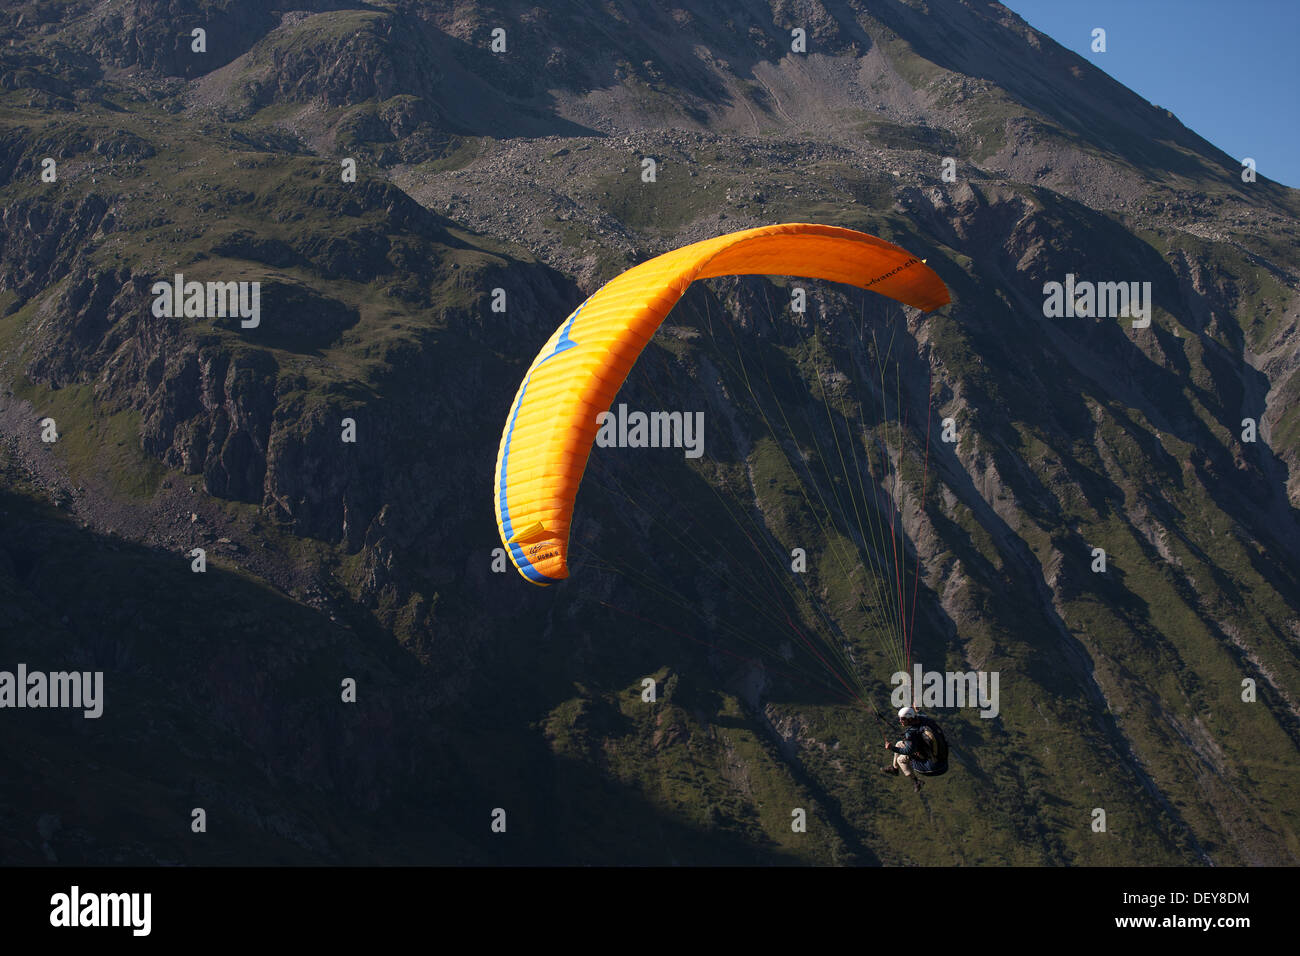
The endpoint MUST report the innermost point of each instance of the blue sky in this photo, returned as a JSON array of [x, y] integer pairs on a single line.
[[1229, 69]]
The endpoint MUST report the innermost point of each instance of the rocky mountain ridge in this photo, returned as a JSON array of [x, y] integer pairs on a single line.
[[522, 171]]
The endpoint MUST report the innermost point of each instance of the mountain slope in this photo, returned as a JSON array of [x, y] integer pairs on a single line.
[[522, 171]]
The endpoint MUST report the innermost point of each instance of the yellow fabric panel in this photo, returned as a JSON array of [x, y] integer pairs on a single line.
[[552, 423]]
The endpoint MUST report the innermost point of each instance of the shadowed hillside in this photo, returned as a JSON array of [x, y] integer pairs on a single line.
[[522, 170]]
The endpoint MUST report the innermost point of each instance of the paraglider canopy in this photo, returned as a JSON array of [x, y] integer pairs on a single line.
[[553, 421]]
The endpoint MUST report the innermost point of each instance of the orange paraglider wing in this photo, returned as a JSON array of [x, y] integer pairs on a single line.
[[552, 423]]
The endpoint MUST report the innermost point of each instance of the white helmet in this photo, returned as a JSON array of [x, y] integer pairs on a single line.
[[906, 713]]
